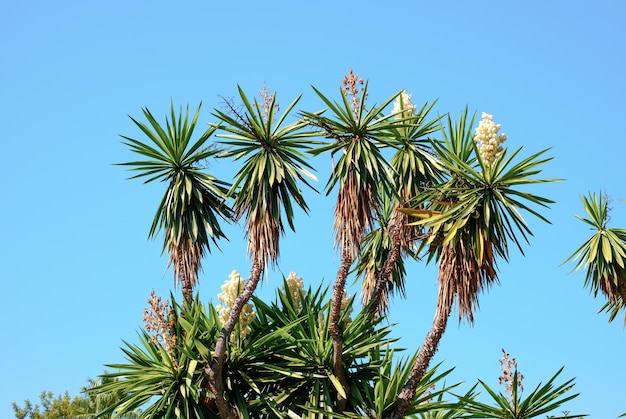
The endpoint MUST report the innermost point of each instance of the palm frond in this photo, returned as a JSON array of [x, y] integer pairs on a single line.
[[603, 255]]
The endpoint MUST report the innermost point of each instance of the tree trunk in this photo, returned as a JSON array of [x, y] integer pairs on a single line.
[[376, 298], [335, 328], [426, 353], [402, 238], [187, 290], [214, 371], [184, 277]]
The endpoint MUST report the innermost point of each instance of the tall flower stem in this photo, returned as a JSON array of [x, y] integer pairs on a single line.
[[335, 329]]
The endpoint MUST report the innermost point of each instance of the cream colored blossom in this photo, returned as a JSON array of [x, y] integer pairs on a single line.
[[402, 106], [230, 291], [344, 307], [488, 140], [296, 287]]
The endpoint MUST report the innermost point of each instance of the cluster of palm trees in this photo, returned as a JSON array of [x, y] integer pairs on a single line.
[[407, 185]]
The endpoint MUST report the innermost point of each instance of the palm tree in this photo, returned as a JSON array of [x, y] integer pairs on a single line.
[[163, 377], [413, 167], [194, 200], [603, 255], [360, 173], [265, 187], [471, 215], [543, 399]]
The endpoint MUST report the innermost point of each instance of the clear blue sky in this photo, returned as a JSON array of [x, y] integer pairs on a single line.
[[77, 268]]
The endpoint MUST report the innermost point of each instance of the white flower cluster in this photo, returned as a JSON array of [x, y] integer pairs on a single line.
[[296, 287], [402, 106], [488, 140], [230, 291]]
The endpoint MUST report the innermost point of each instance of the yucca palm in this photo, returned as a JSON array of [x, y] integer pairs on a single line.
[[265, 189], [413, 168], [165, 379], [603, 255], [471, 216], [380, 253], [194, 201], [360, 173], [544, 399]]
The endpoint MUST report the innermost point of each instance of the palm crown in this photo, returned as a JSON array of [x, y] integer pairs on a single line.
[[194, 201], [475, 212], [603, 255], [268, 180]]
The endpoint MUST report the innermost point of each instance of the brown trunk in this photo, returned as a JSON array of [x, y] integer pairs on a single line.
[[378, 306], [214, 371], [187, 291], [402, 237], [426, 353], [335, 328], [184, 277], [431, 342]]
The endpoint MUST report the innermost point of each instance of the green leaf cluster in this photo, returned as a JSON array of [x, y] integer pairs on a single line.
[[194, 201], [603, 255], [480, 203], [283, 368], [545, 398]]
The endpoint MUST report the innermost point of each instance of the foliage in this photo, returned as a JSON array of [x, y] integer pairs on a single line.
[[88, 405], [267, 182], [603, 255], [166, 380], [357, 134], [193, 203], [545, 398], [50, 407], [302, 355], [283, 367]]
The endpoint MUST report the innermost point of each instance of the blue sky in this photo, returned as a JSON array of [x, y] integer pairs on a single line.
[[77, 265]]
